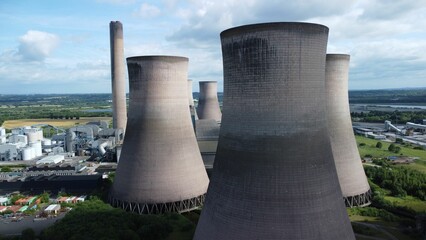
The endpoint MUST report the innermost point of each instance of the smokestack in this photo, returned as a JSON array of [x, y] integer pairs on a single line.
[[354, 184], [160, 168], [119, 110], [208, 104], [274, 175]]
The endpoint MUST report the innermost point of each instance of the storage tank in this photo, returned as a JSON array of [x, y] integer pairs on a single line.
[[28, 153], [37, 148], [47, 145], [352, 178], [160, 168], [208, 103], [274, 176]]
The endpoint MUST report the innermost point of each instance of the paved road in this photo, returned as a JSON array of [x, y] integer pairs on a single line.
[[8, 228]]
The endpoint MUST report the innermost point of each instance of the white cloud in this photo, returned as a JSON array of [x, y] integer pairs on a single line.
[[385, 39], [117, 2], [36, 45], [147, 11]]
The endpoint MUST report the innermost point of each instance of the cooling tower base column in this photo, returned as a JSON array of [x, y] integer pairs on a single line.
[[361, 200], [159, 208]]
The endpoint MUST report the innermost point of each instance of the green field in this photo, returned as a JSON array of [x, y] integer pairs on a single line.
[[63, 123], [370, 149], [410, 202]]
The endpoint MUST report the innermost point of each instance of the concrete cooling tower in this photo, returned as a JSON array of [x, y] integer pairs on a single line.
[[119, 110], [274, 176], [354, 184], [160, 168], [208, 104], [191, 101]]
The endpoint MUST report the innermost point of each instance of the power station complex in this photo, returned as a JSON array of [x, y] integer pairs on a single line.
[[160, 168], [354, 184], [286, 154]]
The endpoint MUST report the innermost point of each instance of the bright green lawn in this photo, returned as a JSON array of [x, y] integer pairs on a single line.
[[408, 201], [370, 148]]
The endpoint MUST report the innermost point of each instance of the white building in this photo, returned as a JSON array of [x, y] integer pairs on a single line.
[[18, 138], [9, 152], [52, 159], [53, 208]]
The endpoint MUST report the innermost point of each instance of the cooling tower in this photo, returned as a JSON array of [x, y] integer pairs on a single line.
[[160, 168], [191, 101], [119, 110], [353, 181], [274, 175], [208, 104]]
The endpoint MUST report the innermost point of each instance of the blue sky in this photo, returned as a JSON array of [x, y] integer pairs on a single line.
[[51, 46]]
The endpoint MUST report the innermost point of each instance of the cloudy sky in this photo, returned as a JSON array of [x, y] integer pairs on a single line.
[[51, 46]]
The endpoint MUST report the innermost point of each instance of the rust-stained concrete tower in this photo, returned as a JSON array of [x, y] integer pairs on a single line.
[[119, 110], [208, 104], [353, 181], [160, 168], [274, 176]]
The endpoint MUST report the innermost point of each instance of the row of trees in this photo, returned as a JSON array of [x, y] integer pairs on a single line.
[[396, 116], [400, 181], [94, 219], [392, 147]]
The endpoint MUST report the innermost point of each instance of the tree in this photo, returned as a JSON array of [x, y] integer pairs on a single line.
[[28, 234], [44, 198], [379, 145], [397, 150], [391, 147], [6, 169]]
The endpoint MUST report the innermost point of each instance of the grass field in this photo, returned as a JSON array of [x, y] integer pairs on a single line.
[[63, 123], [410, 202], [370, 148]]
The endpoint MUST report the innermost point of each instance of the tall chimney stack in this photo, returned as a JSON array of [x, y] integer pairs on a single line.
[[119, 110]]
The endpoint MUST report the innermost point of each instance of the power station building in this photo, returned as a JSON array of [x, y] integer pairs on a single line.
[[353, 182], [274, 176], [160, 168], [208, 103], [119, 110]]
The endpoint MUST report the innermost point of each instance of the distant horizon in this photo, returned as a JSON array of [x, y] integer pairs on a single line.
[[70, 93]]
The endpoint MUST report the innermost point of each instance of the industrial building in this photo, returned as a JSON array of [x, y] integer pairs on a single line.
[[208, 103], [274, 176], [119, 109], [352, 178], [75, 184], [160, 168]]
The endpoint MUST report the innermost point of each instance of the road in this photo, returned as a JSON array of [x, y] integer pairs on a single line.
[[9, 228]]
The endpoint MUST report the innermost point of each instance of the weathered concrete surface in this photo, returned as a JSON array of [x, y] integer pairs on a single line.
[[119, 109], [353, 181], [274, 175], [160, 164]]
